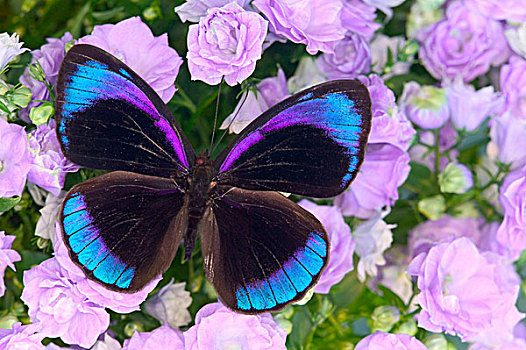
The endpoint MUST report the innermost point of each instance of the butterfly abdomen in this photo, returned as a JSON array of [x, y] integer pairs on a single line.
[[198, 190]]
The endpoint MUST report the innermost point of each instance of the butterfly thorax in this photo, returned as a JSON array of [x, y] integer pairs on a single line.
[[199, 185]]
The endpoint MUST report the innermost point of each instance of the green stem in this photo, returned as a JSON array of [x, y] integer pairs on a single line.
[[437, 153]]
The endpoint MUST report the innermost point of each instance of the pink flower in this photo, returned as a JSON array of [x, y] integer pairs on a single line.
[[21, 337], [257, 332], [15, 160], [381, 341], [513, 85], [7, 257], [164, 337], [150, 57]]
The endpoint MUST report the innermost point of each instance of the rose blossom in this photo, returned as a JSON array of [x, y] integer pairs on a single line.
[[15, 160], [513, 85], [9, 48], [464, 44], [227, 42], [351, 57], [237, 330], [49, 56], [270, 92], [426, 106], [465, 292], [59, 308], [381, 340], [469, 108], [49, 166], [21, 337], [150, 57], [164, 337], [342, 244], [193, 10], [7, 257]]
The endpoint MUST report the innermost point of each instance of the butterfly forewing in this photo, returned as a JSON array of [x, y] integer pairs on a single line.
[[109, 118], [123, 228], [311, 144], [261, 250]]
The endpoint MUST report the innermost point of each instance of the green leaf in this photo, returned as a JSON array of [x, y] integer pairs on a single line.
[[301, 329], [391, 297], [8, 203]]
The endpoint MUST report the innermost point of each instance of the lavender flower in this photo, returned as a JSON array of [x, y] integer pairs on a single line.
[[342, 244], [384, 169], [21, 337], [226, 43], [517, 39], [48, 217], [307, 74], [372, 238], [237, 330], [150, 57], [93, 291], [381, 46], [292, 20], [464, 43], [49, 57], [509, 10], [384, 5], [7, 257], [468, 107], [512, 83], [164, 337], [9, 48], [15, 160], [468, 301], [170, 305], [508, 136], [382, 340], [358, 17], [59, 308], [512, 231], [270, 91], [426, 106], [351, 57], [49, 166], [193, 10]]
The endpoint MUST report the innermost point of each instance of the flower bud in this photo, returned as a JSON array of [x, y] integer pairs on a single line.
[[455, 178], [41, 114], [432, 207], [21, 96], [437, 342], [8, 321], [426, 106], [384, 318], [408, 327]]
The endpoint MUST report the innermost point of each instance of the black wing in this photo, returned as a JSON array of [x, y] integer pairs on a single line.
[[110, 118], [311, 144], [122, 228], [261, 250]]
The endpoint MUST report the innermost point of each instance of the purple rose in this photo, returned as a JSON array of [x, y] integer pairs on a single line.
[[389, 124], [7, 257], [426, 106], [508, 10], [463, 44], [508, 134], [384, 169], [270, 91], [150, 57], [59, 308], [513, 85], [342, 244], [49, 57], [512, 230], [237, 330], [49, 166], [465, 292], [293, 20], [469, 108], [227, 42], [93, 291], [21, 337], [380, 340], [351, 57], [15, 159], [446, 229], [164, 337], [358, 17], [193, 10]]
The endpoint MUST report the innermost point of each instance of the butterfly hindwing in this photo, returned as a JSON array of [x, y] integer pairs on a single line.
[[311, 144], [261, 250], [123, 228], [110, 118]]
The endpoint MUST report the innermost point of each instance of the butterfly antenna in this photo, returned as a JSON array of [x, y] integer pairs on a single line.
[[230, 124], [217, 110]]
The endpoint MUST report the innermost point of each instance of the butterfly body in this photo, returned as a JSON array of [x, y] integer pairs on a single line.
[[261, 251]]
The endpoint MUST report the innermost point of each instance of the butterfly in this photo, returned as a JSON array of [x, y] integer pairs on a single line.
[[261, 250]]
